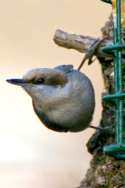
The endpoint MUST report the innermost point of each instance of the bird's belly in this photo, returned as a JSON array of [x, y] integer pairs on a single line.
[[71, 119]]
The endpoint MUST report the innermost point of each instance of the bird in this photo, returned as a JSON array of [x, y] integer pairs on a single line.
[[63, 98]]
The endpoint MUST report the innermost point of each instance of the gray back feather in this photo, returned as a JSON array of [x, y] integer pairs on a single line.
[[65, 68]]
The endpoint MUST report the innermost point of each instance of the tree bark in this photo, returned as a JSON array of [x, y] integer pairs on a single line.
[[105, 171]]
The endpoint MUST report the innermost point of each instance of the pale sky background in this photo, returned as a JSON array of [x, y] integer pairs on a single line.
[[31, 155]]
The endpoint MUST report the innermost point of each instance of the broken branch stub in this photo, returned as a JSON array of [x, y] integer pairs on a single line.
[[80, 43]]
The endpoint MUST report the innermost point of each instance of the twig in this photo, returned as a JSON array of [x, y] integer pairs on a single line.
[[90, 53]]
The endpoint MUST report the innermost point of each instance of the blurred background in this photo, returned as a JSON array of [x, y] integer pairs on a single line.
[[31, 155]]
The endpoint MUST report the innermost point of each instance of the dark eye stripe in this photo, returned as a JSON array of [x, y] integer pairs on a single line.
[[39, 81]]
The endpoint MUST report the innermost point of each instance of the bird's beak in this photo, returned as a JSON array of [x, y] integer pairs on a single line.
[[18, 82]]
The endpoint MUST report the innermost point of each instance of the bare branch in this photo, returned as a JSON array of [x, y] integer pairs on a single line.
[[79, 42]]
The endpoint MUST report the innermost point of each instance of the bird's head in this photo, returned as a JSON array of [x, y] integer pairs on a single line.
[[40, 82]]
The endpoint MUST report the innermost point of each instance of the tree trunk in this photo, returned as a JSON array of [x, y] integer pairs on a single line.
[[104, 171]]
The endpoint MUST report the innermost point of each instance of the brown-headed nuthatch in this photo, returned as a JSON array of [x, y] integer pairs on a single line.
[[63, 98]]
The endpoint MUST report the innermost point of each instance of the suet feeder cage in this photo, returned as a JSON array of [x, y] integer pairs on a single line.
[[117, 150]]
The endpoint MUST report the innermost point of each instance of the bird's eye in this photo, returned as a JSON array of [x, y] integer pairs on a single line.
[[39, 81]]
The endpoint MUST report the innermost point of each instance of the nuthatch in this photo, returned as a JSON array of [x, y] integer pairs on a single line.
[[63, 98]]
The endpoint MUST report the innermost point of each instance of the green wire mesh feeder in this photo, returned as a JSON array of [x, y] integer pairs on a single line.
[[116, 150]]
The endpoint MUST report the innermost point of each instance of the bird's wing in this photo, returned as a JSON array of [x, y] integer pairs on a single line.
[[65, 68]]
